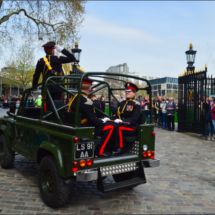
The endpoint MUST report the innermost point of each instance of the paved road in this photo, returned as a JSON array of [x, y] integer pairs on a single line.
[[184, 183]]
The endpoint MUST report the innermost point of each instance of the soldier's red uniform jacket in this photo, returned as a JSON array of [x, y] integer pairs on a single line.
[[129, 111], [87, 111]]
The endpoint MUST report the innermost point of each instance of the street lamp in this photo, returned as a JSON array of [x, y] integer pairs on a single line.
[[77, 53], [190, 55]]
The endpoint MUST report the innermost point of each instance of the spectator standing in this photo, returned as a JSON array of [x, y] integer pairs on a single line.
[[121, 98], [210, 127], [140, 100], [145, 107], [102, 103], [38, 101], [159, 111], [213, 117], [171, 107], [17, 103], [5, 102], [164, 113], [114, 106]]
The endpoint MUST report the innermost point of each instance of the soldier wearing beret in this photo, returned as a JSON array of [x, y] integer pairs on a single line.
[[51, 65]]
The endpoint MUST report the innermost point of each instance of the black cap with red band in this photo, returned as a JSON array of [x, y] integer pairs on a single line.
[[87, 81], [50, 45], [131, 87]]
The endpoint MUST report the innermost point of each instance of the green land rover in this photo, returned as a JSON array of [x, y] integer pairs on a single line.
[[65, 151]]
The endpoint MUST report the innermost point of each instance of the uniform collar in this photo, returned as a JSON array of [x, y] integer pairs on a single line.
[[84, 93], [129, 99]]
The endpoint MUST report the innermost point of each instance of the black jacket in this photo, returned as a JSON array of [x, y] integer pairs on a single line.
[[56, 64], [87, 111], [131, 112]]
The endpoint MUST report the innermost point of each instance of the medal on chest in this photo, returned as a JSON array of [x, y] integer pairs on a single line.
[[129, 108]]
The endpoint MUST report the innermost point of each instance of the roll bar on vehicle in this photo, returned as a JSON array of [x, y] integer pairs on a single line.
[[77, 80]]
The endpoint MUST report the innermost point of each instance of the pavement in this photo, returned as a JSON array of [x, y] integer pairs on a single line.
[[184, 183]]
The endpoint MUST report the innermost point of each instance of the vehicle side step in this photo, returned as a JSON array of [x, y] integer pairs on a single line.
[[123, 184], [139, 178]]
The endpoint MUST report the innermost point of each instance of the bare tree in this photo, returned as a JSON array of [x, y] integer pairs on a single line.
[[44, 20]]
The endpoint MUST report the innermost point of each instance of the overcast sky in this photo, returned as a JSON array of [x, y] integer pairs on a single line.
[[151, 37]]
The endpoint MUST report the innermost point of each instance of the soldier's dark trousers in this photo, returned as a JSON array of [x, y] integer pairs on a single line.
[[112, 135], [55, 96]]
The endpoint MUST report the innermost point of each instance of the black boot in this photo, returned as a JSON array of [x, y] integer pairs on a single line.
[[119, 151], [104, 155]]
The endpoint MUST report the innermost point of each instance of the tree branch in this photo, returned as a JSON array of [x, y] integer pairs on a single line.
[[1, 1], [37, 22]]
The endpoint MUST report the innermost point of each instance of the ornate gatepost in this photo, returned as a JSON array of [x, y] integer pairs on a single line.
[[192, 97]]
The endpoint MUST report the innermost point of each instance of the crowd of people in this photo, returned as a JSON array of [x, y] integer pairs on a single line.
[[6, 101]]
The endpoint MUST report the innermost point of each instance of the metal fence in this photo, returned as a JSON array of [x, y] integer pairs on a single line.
[[193, 90]]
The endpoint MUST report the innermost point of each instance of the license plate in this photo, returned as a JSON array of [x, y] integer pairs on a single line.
[[84, 150]]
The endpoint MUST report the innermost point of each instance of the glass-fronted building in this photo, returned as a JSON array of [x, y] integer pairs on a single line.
[[165, 86]]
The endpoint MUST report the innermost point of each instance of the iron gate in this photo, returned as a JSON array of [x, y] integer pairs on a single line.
[[192, 93]]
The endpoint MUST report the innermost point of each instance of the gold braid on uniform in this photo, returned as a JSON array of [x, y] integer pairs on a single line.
[[72, 100], [70, 103], [44, 73], [118, 112]]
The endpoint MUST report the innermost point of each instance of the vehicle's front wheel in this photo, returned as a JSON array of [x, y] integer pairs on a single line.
[[53, 189], [6, 154]]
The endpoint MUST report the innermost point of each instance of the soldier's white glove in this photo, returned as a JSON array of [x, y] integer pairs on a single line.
[[117, 120], [105, 119], [58, 48]]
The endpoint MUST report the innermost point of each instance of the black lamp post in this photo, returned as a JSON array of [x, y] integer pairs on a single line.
[[190, 55], [77, 53]]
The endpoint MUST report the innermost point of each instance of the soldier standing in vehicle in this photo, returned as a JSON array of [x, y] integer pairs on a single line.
[[51, 65]]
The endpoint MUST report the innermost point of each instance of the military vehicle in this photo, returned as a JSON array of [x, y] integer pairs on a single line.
[[65, 151]]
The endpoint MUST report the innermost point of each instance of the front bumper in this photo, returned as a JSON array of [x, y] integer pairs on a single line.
[[151, 163]]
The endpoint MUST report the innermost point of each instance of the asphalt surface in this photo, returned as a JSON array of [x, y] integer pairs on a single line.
[[184, 183]]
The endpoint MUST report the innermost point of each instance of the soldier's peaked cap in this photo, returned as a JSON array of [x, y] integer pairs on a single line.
[[49, 45], [131, 87], [87, 81]]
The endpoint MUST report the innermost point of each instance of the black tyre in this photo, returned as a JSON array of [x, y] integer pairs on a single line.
[[6, 154], [53, 189]]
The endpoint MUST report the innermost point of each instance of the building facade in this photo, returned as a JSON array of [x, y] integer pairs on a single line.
[[165, 86], [124, 69], [6, 88]]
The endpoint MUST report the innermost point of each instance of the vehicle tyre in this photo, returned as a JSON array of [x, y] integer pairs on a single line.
[[53, 188], [6, 154], [123, 176]]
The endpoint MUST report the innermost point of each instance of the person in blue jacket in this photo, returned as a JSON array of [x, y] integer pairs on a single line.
[[171, 107]]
